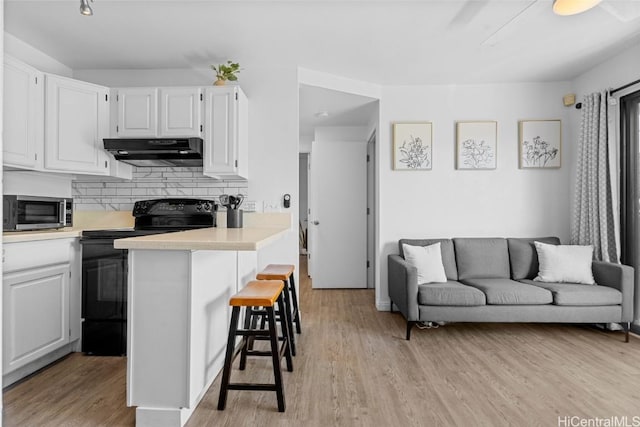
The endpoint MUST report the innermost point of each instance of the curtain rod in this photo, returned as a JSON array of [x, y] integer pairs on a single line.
[[624, 87]]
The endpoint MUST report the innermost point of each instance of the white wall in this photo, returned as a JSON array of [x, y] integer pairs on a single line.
[[273, 132], [614, 72], [445, 202]]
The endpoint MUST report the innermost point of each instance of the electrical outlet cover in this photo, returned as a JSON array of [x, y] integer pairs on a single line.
[[249, 206]]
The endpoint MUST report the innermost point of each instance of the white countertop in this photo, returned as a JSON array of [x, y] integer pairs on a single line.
[[229, 239]]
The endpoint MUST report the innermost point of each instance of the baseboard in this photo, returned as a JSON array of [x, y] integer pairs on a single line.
[[36, 365], [635, 328], [383, 305]]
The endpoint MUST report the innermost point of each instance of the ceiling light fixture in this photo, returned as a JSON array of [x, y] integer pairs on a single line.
[[573, 7], [85, 9]]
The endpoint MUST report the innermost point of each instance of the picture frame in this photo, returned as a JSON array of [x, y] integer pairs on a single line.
[[412, 146], [540, 144], [476, 145]]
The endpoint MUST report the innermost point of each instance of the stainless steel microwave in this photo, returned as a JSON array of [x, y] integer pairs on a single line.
[[36, 213]]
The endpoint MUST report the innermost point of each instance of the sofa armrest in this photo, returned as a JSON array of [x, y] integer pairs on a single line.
[[620, 277], [403, 287]]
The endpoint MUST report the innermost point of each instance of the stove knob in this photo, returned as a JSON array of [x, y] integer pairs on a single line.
[[207, 206], [199, 207]]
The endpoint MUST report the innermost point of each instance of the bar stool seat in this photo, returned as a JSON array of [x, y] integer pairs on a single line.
[[257, 294], [284, 272]]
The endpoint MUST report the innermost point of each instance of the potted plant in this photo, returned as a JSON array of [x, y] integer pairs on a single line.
[[226, 72]]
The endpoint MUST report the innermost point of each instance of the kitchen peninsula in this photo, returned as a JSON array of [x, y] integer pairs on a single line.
[[179, 288]]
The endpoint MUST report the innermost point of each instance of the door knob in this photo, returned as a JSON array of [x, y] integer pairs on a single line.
[[316, 222]]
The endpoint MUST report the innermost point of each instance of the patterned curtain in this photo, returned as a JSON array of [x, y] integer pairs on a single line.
[[594, 222]]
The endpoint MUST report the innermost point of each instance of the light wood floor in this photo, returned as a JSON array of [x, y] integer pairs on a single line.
[[354, 368]]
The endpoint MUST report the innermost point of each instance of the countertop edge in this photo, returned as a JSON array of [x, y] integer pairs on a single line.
[[26, 236], [189, 243]]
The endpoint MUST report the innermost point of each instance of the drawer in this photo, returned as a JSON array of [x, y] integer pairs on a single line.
[[23, 255]]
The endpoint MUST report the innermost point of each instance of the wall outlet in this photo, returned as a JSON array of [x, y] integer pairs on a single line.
[[271, 206], [249, 206]]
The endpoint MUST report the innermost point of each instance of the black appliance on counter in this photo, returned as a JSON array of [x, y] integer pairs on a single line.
[[104, 268]]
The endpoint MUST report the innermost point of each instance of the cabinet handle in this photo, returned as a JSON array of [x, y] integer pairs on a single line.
[[105, 164]]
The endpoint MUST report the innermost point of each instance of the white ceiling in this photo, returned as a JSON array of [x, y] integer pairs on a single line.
[[380, 41], [344, 109]]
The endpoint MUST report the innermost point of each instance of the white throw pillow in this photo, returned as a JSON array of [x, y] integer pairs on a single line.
[[564, 263], [428, 261]]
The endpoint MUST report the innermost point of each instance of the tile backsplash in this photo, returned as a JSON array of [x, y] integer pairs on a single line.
[[109, 194]]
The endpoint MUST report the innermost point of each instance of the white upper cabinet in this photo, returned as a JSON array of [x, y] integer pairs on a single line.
[[150, 112], [226, 132], [180, 112], [23, 114], [76, 120], [137, 112]]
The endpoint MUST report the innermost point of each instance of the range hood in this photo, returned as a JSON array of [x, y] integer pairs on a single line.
[[156, 151]]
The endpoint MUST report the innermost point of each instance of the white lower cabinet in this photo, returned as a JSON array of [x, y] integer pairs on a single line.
[[41, 304], [36, 314]]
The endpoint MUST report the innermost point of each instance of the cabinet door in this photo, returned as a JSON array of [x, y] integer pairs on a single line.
[[23, 114], [76, 120], [35, 314], [219, 130], [180, 112], [137, 112]]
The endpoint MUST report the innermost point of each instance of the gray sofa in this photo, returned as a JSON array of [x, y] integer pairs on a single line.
[[491, 280]]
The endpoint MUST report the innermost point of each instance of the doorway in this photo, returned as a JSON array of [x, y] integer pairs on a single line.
[[336, 130]]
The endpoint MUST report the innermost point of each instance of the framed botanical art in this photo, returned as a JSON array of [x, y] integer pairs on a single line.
[[476, 145], [540, 144], [412, 146]]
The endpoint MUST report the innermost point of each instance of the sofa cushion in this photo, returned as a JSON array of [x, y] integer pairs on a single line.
[[446, 249], [450, 293], [523, 256], [579, 294], [427, 260], [482, 258], [510, 292], [564, 263]]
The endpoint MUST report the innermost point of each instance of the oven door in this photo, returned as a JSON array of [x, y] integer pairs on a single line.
[[104, 297], [104, 280], [33, 213]]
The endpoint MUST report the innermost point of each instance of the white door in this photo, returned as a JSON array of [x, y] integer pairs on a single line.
[[76, 120], [23, 113], [137, 112], [338, 220], [180, 112]]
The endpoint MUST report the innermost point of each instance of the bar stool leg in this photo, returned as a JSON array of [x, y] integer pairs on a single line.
[[275, 356], [289, 322], [247, 342], [286, 334], [228, 359], [294, 296]]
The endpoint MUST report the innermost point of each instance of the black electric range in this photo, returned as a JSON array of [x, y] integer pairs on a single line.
[[104, 268]]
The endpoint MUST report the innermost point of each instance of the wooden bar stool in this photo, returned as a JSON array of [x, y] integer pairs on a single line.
[[257, 294], [284, 272]]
